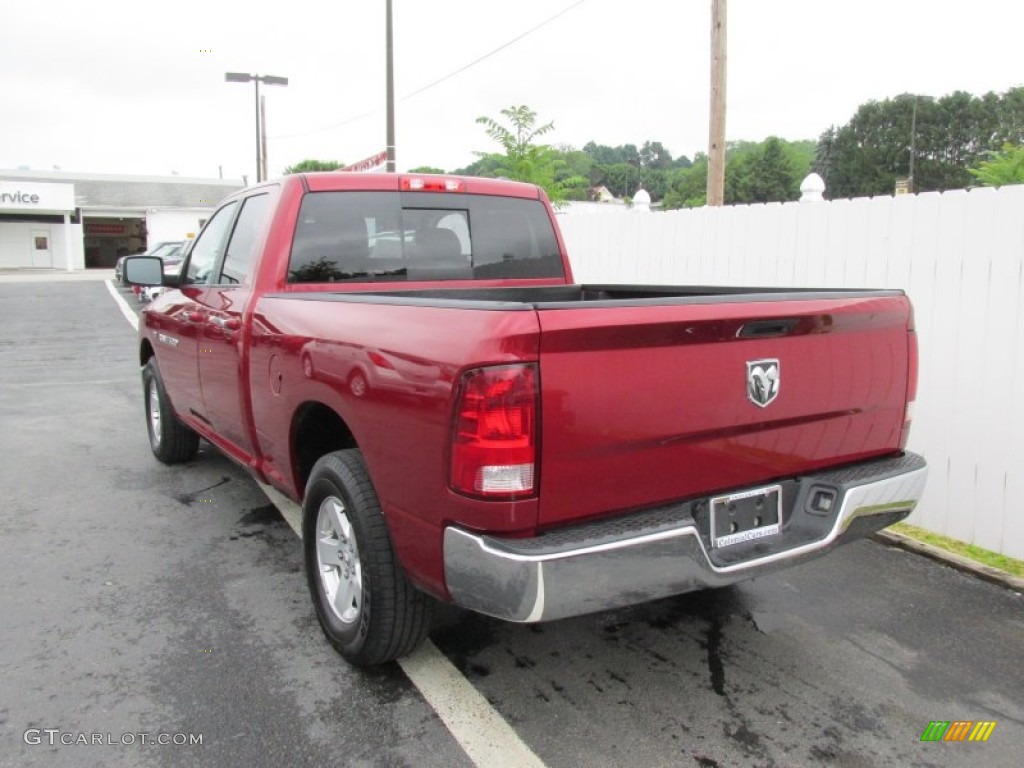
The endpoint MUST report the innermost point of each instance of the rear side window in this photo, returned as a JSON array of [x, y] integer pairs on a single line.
[[398, 236]]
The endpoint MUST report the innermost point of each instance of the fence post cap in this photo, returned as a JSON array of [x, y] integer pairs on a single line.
[[642, 200], [812, 188]]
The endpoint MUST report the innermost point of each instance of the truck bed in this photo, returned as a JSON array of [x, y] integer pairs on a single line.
[[644, 390]]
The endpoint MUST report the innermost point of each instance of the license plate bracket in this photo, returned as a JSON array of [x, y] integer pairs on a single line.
[[746, 516]]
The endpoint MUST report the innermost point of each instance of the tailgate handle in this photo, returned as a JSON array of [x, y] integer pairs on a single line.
[[759, 329]]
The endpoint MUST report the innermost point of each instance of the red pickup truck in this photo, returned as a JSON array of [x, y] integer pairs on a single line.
[[409, 357]]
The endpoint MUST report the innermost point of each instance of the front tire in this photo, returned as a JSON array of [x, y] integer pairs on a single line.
[[366, 606], [169, 439]]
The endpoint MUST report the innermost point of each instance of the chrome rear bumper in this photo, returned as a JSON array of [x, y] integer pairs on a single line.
[[612, 563]]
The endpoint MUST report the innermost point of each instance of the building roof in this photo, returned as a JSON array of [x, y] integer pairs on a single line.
[[96, 190]]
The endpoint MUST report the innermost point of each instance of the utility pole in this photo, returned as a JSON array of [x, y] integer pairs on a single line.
[[259, 135], [263, 135], [716, 136], [390, 93], [913, 142]]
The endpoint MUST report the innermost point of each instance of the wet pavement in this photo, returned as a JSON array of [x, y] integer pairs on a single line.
[[144, 599], [840, 662]]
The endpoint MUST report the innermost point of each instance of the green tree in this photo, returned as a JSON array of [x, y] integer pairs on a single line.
[[518, 139], [577, 163], [573, 170], [311, 166], [525, 159], [654, 155], [655, 181], [755, 172], [603, 155], [825, 155], [426, 169], [622, 179], [1009, 111], [950, 135], [1001, 168], [487, 166], [630, 154], [801, 154], [764, 173], [687, 187]]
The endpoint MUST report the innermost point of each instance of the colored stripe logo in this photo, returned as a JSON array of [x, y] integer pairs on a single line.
[[958, 730]]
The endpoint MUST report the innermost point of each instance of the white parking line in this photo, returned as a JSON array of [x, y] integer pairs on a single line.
[[478, 728], [475, 724], [481, 732], [290, 511], [125, 309]]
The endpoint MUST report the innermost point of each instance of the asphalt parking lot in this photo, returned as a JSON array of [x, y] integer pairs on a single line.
[[140, 599]]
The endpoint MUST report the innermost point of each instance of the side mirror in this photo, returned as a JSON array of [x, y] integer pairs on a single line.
[[143, 270]]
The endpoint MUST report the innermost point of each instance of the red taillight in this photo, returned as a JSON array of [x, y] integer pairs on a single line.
[[494, 439], [419, 184], [379, 360]]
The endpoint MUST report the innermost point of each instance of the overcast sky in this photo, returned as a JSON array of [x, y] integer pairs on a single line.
[[129, 87]]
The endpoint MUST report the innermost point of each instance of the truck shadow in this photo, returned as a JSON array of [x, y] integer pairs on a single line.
[[464, 637]]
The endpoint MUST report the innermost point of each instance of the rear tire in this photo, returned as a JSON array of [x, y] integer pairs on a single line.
[[366, 606], [169, 439]]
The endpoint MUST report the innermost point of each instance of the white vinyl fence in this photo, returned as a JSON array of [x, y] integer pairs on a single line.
[[959, 256]]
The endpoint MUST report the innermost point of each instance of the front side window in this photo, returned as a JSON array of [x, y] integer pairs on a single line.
[[398, 236], [208, 247], [242, 246]]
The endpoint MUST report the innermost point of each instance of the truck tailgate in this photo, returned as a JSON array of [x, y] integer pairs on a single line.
[[647, 404]]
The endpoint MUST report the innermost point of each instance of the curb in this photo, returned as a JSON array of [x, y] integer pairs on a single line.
[[960, 563]]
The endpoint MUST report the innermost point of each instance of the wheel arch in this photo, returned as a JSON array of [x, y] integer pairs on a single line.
[[316, 430], [146, 351]]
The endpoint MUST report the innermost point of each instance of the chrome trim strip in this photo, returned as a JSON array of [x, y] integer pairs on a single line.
[[538, 606], [646, 538]]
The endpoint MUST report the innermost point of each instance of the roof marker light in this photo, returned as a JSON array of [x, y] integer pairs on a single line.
[[418, 184]]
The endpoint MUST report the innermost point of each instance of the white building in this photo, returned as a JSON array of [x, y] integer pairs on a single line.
[[59, 220]]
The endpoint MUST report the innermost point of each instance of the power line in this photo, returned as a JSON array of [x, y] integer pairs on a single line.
[[440, 80], [496, 50]]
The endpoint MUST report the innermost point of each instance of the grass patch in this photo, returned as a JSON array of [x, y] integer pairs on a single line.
[[978, 554]]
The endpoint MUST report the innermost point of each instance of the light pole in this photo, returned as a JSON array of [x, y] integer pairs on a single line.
[[390, 88], [243, 77]]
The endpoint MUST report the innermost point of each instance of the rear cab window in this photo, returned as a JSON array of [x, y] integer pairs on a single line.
[[408, 236]]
